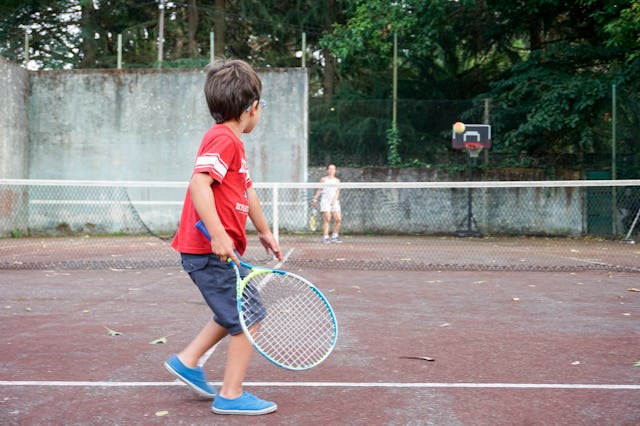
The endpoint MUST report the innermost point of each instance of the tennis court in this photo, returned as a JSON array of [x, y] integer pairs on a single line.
[[509, 331]]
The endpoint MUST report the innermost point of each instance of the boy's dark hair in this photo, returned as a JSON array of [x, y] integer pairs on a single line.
[[231, 86]]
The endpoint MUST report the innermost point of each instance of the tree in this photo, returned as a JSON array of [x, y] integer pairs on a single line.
[[552, 108]]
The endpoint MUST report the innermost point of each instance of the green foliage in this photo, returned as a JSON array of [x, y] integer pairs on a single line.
[[547, 65], [393, 142], [624, 30]]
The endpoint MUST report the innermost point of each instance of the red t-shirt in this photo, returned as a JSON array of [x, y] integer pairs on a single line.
[[221, 155]]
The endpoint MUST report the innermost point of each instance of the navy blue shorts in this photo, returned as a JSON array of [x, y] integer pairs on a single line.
[[216, 281]]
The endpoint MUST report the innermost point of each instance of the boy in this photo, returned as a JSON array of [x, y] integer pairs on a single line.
[[220, 193]]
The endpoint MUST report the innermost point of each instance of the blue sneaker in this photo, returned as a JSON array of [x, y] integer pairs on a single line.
[[193, 377], [247, 404]]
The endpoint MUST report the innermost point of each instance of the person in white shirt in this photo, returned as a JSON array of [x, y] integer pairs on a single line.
[[329, 205]]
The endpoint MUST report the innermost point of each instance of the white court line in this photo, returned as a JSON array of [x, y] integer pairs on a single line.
[[572, 386], [284, 259]]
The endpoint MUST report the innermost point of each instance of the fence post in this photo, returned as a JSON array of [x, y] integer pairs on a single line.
[[212, 48], [274, 208], [119, 51], [160, 33], [614, 190], [26, 49], [304, 49]]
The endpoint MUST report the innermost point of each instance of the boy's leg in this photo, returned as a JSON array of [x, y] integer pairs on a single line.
[[232, 399], [210, 334], [185, 364], [238, 357]]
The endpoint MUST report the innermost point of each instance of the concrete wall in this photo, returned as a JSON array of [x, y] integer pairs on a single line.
[[14, 138], [14, 130], [147, 125]]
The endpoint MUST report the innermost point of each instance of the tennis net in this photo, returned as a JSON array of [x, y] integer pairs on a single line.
[[515, 225]]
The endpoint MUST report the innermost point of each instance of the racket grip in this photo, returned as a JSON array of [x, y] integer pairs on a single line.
[[203, 229]]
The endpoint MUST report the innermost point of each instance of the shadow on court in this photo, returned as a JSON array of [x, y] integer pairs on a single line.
[[415, 347]]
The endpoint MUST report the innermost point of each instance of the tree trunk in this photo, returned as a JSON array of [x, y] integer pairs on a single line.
[[192, 9], [219, 27], [88, 48], [536, 34], [330, 64]]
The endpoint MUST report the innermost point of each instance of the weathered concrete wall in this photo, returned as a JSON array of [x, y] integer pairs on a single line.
[[14, 130], [147, 125], [14, 137]]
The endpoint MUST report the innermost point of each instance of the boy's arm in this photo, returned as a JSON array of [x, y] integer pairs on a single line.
[[205, 205], [261, 225]]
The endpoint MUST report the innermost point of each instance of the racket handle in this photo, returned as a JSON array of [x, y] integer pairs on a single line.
[[203, 229]]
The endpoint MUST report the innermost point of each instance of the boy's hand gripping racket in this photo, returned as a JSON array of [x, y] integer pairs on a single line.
[[285, 317]]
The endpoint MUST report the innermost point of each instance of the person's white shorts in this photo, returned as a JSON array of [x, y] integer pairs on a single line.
[[325, 206]]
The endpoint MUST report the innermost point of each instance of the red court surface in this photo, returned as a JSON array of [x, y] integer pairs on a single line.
[[508, 348]]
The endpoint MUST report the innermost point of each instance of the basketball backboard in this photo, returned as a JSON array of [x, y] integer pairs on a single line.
[[479, 133]]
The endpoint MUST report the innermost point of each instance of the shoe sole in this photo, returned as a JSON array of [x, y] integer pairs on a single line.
[[199, 391], [245, 412]]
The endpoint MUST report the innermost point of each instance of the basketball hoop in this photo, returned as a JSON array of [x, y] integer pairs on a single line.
[[473, 148]]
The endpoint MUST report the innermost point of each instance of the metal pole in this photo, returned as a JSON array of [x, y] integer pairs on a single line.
[[394, 119], [119, 51], [614, 119], [304, 49], [275, 214], [160, 33], [614, 198], [26, 49], [469, 198], [212, 47], [485, 120]]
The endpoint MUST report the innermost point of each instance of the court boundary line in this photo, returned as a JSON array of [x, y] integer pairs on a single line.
[[426, 385]]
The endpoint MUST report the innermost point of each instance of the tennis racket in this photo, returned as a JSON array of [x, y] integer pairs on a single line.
[[313, 220], [285, 317]]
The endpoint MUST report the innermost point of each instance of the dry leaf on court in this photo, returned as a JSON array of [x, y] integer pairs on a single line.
[[162, 413], [423, 358], [158, 341], [111, 332], [633, 289]]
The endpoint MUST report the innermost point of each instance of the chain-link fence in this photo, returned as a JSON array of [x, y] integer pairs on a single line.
[[443, 225]]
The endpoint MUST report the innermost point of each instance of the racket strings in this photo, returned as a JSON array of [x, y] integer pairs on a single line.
[[296, 326]]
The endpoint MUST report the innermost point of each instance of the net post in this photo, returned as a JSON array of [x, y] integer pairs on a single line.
[[274, 209]]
